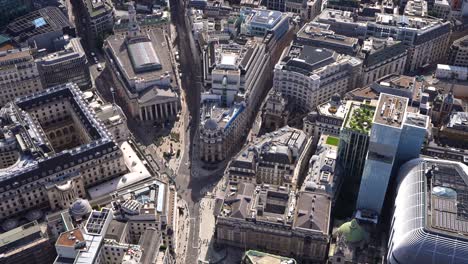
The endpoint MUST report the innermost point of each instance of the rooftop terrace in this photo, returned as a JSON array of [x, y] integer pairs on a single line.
[[360, 117], [391, 110]]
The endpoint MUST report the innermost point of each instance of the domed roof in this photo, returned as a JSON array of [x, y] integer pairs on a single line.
[[80, 207], [352, 231], [210, 124], [33, 215], [9, 224]]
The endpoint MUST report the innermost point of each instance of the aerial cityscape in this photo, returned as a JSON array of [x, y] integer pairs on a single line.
[[233, 132]]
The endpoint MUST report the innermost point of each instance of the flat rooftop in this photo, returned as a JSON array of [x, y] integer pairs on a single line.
[[333, 109], [320, 32], [417, 120], [391, 110], [258, 257], [268, 18], [70, 238]]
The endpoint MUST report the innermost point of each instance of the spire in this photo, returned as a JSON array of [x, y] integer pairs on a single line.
[[133, 27]]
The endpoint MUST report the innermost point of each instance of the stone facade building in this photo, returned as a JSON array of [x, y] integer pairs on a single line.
[[19, 75], [275, 219], [64, 151], [309, 76], [64, 66]]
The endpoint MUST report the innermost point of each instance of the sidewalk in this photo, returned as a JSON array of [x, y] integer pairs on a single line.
[[207, 252]]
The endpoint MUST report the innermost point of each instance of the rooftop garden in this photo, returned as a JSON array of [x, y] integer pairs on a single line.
[[332, 141], [361, 119]]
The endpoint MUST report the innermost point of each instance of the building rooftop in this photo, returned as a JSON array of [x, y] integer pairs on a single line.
[[144, 59], [336, 15], [319, 34], [391, 110], [70, 238], [306, 59], [417, 120], [16, 237], [458, 121], [420, 24], [258, 257], [42, 157], [433, 195], [333, 108], [359, 116], [44, 20], [376, 50], [215, 117], [323, 169], [265, 18], [277, 206], [98, 7]]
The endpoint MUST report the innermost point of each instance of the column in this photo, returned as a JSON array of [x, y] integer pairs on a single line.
[[159, 110], [148, 114], [165, 111], [155, 113], [174, 108], [141, 114], [170, 108]]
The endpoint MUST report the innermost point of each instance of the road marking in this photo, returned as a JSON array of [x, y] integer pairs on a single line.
[[192, 229]]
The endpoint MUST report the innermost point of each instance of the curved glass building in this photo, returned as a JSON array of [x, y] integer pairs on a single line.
[[430, 220]]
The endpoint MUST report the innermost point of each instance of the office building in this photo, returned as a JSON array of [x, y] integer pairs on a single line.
[[258, 22], [40, 25], [324, 174], [19, 75], [455, 130], [306, 9], [327, 118], [151, 206], [442, 9], [411, 87], [451, 73], [99, 18], [416, 8], [427, 38], [276, 158], [353, 144], [344, 5], [458, 52], [141, 62], [83, 244], [343, 23], [26, 244], [381, 57], [61, 149], [319, 35], [236, 74], [275, 5], [64, 66], [429, 218], [396, 136], [309, 76], [276, 219]]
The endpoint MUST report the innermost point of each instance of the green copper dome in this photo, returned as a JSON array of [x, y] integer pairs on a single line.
[[352, 231]]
